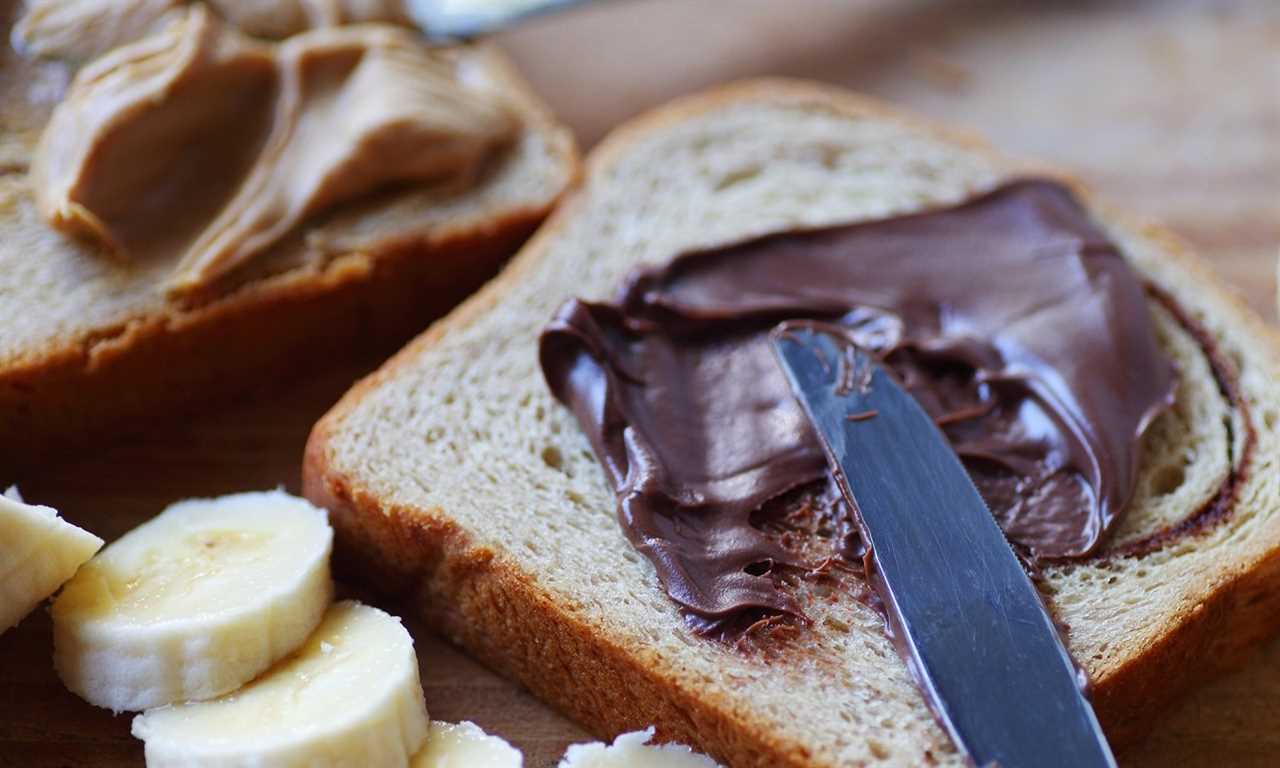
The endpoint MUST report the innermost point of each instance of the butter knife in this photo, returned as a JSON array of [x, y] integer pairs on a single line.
[[444, 20], [963, 612]]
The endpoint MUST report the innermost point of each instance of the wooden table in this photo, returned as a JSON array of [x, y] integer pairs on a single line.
[[1170, 108]]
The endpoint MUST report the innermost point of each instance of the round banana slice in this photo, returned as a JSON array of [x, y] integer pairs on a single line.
[[349, 697], [39, 551], [465, 745], [194, 603]]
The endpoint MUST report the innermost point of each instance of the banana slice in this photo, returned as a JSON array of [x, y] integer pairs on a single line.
[[350, 697], [632, 750], [465, 745], [194, 603], [39, 551]]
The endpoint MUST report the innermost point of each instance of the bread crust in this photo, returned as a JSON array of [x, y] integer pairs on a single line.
[[483, 602], [262, 334]]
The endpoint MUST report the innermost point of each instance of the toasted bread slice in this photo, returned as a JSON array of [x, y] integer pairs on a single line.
[[456, 481], [91, 344]]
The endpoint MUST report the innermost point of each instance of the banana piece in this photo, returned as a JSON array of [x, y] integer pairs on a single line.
[[632, 750], [350, 697], [465, 745], [39, 551], [195, 602]]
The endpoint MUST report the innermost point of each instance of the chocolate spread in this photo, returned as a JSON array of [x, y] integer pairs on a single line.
[[1012, 319], [203, 145]]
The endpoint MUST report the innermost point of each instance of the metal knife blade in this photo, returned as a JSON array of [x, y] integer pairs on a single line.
[[445, 20], [967, 617]]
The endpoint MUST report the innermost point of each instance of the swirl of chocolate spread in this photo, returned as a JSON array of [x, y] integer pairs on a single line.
[[1012, 319]]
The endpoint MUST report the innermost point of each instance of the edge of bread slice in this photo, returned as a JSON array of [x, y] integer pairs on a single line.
[[93, 346], [456, 483]]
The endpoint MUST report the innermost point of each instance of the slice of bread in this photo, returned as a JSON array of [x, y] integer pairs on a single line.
[[458, 483], [91, 344]]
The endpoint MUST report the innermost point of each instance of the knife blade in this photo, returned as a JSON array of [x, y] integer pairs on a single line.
[[446, 20], [963, 612]]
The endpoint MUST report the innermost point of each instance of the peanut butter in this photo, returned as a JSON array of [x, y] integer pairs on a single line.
[[201, 144], [281, 18], [80, 30]]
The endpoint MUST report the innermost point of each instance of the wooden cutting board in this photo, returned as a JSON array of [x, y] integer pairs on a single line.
[[1171, 109]]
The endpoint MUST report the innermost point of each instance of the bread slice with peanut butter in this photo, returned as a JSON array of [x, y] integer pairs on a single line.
[[198, 210], [456, 480]]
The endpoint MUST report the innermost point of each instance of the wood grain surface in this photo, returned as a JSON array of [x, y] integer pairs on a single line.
[[1171, 109]]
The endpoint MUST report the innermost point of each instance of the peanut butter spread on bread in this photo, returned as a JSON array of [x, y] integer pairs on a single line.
[[281, 18], [202, 144], [79, 30]]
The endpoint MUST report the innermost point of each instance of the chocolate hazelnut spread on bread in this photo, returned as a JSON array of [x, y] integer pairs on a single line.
[[201, 144], [1012, 319]]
